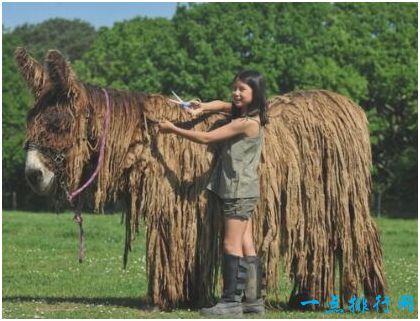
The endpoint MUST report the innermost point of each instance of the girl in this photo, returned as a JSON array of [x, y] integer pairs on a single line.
[[236, 182]]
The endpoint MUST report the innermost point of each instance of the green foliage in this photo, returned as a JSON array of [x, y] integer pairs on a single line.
[[140, 54], [71, 37], [16, 102], [42, 277], [388, 31]]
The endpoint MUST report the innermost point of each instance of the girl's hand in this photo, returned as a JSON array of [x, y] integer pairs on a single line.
[[165, 127], [195, 111], [195, 104], [196, 108]]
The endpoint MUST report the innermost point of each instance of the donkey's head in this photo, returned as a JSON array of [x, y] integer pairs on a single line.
[[55, 124]]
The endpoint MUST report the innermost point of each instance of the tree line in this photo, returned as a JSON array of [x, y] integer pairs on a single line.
[[366, 51]]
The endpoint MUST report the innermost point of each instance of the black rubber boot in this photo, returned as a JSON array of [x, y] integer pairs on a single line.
[[234, 274], [253, 300]]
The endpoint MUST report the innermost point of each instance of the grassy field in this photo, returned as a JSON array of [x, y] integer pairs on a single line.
[[42, 277]]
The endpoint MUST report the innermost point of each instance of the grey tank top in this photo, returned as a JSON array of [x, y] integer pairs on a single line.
[[235, 174]]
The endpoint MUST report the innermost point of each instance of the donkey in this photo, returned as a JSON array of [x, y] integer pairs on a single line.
[[315, 187]]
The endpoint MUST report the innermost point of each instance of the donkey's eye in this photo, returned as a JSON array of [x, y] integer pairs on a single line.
[[58, 122]]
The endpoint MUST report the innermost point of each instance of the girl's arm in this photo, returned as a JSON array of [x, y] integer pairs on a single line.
[[212, 106], [234, 128]]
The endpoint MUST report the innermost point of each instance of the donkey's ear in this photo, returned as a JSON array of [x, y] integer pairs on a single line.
[[32, 71], [61, 74]]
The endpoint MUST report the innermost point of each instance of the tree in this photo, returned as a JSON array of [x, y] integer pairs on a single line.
[[17, 100], [72, 37], [141, 54], [389, 32]]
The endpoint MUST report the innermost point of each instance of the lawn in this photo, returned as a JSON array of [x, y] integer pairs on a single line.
[[42, 277]]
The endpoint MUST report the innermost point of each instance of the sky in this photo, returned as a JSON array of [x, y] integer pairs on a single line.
[[98, 14]]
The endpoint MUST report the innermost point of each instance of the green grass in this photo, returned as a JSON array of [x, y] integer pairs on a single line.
[[42, 277]]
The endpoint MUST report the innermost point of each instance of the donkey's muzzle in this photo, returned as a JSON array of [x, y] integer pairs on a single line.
[[38, 176]]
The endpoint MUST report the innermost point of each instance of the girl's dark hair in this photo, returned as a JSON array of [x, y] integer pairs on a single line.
[[259, 104]]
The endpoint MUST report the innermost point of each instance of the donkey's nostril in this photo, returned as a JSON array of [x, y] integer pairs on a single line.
[[34, 176]]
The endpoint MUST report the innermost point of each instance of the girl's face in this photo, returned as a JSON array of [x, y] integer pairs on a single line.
[[241, 94]]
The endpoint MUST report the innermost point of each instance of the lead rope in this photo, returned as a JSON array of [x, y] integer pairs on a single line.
[[79, 220], [78, 211]]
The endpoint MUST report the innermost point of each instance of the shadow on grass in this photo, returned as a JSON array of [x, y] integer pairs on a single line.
[[139, 303]]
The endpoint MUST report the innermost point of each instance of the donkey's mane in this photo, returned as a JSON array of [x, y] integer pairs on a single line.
[[126, 109], [133, 117]]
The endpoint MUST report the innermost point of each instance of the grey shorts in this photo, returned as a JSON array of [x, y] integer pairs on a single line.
[[239, 208]]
